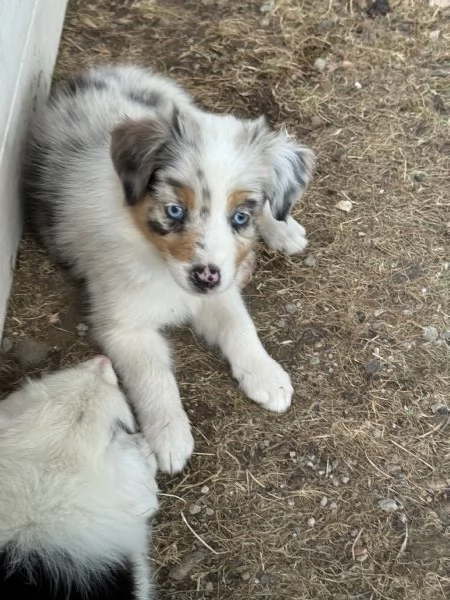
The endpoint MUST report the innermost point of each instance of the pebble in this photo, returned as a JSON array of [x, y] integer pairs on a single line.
[[430, 333], [291, 502], [345, 479], [324, 501], [333, 506], [194, 509], [281, 323], [82, 329], [205, 489], [186, 564], [377, 434], [320, 64], [310, 261], [7, 344], [31, 353], [344, 205], [373, 367], [378, 312], [335, 482], [311, 522], [314, 360], [209, 512], [245, 575], [440, 409], [434, 35], [291, 308], [361, 554], [358, 85], [389, 504]]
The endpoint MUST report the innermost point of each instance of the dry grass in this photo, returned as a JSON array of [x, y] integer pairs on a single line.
[[382, 275]]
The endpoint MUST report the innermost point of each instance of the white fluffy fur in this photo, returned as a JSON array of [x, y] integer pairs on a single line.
[[72, 481], [134, 291]]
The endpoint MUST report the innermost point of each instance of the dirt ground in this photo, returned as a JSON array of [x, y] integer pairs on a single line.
[[347, 496]]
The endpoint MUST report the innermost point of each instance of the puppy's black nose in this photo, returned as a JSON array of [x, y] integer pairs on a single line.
[[205, 277]]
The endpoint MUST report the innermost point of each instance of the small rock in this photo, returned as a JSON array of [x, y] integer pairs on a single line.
[[186, 564], [315, 122], [310, 261], [209, 512], [31, 353], [205, 489], [267, 7], [323, 501], [7, 344], [335, 482], [245, 575], [345, 479], [440, 3], [434, 35], [333, 506], [194, 509], [291, 502], [389, 504], [445, 335], [292, 454], [82, 329], [373, 367], [430, 333], [320, 64], [344, 205], [378, 312], [314, 360], [379, 7], [281, 323], [358, 85], [291, 308], [440, 409], [311, 522], [361, 554], [377, 434]]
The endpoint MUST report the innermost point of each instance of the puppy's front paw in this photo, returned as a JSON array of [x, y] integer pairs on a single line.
[[267, 384], [286, 236], [172, 443]]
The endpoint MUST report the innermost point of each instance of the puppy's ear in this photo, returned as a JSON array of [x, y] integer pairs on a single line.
[[291, 166], [134, 150]]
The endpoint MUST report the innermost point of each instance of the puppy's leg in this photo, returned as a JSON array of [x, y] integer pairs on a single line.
[[224, 321], [287, 236], [142, 359]]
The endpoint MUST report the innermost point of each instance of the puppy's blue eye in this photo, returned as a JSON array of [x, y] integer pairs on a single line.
[[175, 212], [239, 219]]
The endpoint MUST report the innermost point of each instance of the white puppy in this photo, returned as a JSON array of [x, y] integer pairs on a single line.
[[77, 487], [155, 204]]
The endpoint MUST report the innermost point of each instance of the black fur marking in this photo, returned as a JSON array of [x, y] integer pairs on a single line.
[[116, 584], [281, 212], [166, 228], [120, 425], [206, 195], [176, 125], [130, 192], [157, 227], [147, 99], [174, 183], [204, 212], [81, 83]]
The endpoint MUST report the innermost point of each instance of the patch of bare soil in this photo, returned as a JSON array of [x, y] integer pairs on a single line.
[[348, 495]]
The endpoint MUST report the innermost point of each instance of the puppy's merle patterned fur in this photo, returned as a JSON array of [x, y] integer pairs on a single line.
[[156, 204]]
